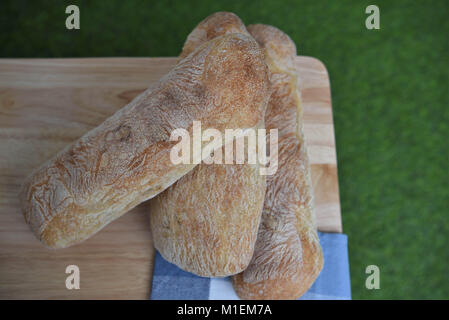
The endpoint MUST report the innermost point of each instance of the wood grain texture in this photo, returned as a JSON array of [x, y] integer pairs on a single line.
[[46, 104]]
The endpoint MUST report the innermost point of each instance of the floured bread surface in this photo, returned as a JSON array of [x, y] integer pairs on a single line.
[[215, 25], [287, 256], [206, 223], [126, 159]]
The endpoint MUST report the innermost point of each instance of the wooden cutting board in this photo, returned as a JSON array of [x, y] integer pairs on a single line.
[[46, 104]]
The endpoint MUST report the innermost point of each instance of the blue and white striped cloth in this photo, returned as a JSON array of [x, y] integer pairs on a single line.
[[333, 283]]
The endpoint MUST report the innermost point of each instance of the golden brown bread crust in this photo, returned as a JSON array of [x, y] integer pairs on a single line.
[[287, 257], [126, 159], [206, 223], [215, 25]]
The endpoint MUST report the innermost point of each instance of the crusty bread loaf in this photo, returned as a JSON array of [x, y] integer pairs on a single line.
[[287, 257], [126, 159], [206, 223]]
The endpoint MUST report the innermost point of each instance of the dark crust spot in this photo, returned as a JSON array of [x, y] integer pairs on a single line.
[[122, 132]]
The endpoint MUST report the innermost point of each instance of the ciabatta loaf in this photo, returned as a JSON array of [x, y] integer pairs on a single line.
[[206, 223], [126, 159], [287, 257]]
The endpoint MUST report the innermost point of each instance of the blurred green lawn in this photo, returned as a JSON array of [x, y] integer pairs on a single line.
[[390, 96]]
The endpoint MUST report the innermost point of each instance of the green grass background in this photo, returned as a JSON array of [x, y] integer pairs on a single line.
[[390, 97]]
